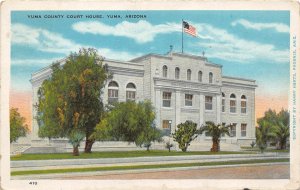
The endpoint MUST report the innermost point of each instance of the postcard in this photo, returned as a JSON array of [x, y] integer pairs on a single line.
[[149, 94]]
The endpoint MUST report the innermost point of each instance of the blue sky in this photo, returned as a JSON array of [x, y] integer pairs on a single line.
[[249, 44]]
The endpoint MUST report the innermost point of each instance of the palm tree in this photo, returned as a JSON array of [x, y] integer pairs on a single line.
[[280, 133], [215, 131], [263, 134], [75, 138]]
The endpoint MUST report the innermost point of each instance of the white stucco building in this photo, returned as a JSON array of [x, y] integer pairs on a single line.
[[181, 87]]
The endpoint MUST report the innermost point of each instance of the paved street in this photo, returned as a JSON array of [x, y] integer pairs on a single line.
[[278, 171]]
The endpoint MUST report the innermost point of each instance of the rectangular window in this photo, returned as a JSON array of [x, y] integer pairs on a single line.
[[223, 105], [208, 103], [233, 130], [167, 99], [243, 129], [232, 106], [130, 95], [112, 95], [243, 107], [188, 100], [166, 124]]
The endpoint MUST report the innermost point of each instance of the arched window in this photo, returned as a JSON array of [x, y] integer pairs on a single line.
[[232, 103], [165, 71], [177, 73], [210, 77], [243, 104], [200, 76], [188, 74], [130, 92], [113, 92], [223, 102]]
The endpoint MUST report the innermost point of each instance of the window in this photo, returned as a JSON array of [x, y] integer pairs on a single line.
[[165, 71], [243, 129], [167, 99], [233, 130], [166, 124], [188, 74], [177, 73], [210, 77], [113, 92], [130, 92], [232, 103], [200, 76], [188, 100], [208, 102], [223, 102], [243, 104]]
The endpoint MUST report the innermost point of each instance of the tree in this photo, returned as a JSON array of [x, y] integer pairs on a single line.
[[280, 132], [262, 133], [184, 134], [275, 127], [75, 137], [169, 145], [18, 128], [215, 131], [70, 99], [131, 122]]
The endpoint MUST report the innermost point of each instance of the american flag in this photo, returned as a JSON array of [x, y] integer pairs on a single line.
[[189, 29]]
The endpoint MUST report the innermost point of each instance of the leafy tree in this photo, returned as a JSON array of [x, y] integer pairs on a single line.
[[280, 133], [70, 99], [184, 134], [131, 122], [276, 125], [18, 128], [215, 131], [263, 135]]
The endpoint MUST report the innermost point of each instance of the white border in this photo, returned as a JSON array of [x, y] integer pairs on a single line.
[[8, 6]]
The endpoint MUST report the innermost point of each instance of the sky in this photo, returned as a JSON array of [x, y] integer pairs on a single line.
[[249, 44]]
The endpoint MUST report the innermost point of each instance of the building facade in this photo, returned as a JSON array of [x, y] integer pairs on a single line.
[[181, 87]]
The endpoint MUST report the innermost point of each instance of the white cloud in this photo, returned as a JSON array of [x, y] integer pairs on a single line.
[[141, 31], [34, 62], [226, 46], [279, 27], [42, 40], [118, 55], [46, 41]]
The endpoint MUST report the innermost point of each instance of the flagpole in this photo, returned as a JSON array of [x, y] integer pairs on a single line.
[[182, 36]]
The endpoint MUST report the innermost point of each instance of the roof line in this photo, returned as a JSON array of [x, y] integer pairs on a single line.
[[239, 78]]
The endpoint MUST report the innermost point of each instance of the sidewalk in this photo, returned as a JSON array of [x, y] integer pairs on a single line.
[[91, 175], [84, 163]]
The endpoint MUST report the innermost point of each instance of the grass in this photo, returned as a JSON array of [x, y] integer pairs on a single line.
[[267, 150], [117, 154], [153, 166]]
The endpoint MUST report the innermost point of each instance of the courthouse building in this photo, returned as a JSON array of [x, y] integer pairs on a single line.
[[181, 87]]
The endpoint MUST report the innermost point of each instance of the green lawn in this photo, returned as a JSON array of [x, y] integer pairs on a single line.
[[154, 166], [117, 154], [267, 150]]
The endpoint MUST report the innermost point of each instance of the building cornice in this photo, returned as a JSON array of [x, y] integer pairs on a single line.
[[126, 71], [240, 85], [149, 55], [238, 78], [122, 62], [186, 85]]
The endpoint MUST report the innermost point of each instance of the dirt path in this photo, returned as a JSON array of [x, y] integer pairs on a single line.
[[241, 172]]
